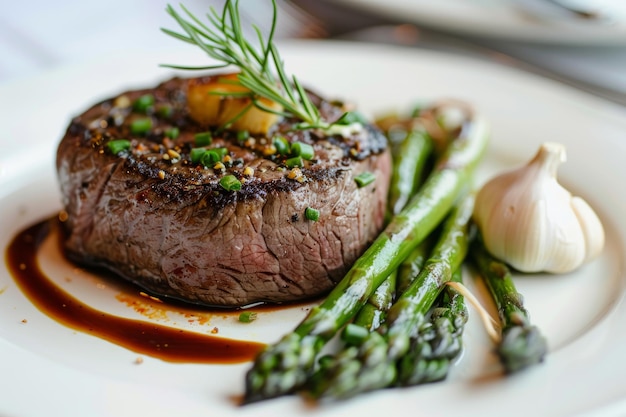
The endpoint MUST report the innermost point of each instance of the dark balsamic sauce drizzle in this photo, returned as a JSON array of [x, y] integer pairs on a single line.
[[163, 342]]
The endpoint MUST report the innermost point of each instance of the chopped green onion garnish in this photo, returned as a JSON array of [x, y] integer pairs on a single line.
[[364, 179], [172, 132], [209, 158], [230, 183], [165, 111], [247, 316], [351, 117], [302, 149], [296, 161], [282, 145], [312, 214], [143, 103], [203, 138], [196, 154], [222, 152], [118, 145], [141, 126], [243, 135]]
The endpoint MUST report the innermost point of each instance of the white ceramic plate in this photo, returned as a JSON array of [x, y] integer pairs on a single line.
[[502, 19], [48, 369]]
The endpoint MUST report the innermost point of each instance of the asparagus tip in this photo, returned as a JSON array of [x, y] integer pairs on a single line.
[[521, 347]]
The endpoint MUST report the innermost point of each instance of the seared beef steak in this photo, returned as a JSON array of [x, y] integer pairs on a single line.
[[155, 217]]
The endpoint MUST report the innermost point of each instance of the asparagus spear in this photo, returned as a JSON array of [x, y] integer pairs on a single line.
[[372, 315], [522, 343], [438, 341], [284, 366], [408, 165], [410, 159], [374, 360], [412, 265], [369, 318]]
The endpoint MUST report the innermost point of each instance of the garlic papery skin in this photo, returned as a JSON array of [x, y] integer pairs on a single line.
[[528, 220]]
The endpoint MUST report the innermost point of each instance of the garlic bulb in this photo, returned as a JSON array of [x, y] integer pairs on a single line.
[[528, 220]]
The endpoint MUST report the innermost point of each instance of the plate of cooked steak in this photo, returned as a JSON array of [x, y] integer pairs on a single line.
[[156, 241]]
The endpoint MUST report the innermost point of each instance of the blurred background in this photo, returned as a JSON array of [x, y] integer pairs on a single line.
[[578, 42]]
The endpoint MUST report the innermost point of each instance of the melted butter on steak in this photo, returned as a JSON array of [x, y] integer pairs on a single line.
[[158, 219]]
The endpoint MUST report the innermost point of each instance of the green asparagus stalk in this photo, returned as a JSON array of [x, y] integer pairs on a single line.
[[284, 366], [412, 265], [410, 157], [521, 344], [439, 341], [372, 361], [369, 318], [372, 315], [408, 166]]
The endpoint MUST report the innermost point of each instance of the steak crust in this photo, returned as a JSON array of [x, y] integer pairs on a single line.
[[156, 218]]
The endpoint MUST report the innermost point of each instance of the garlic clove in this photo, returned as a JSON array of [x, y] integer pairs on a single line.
[[592, 229], [530, 221], [565, 245]]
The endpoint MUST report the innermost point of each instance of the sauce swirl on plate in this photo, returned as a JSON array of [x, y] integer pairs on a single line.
[[163, 342]]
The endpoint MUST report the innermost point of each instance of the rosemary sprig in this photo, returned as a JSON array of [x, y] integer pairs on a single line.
[[261, 69]]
